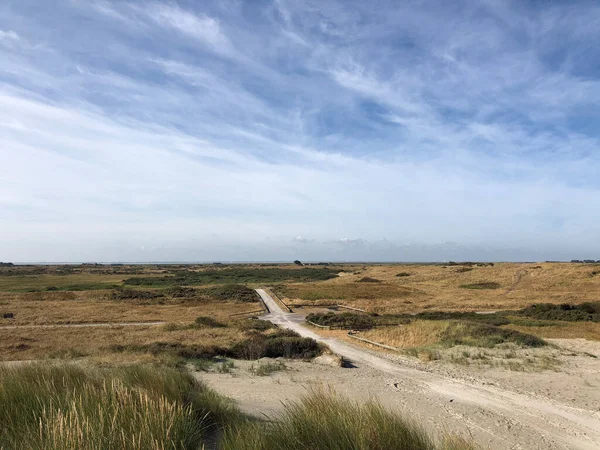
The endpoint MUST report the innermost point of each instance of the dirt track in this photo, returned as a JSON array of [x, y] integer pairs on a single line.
[[496, 416]]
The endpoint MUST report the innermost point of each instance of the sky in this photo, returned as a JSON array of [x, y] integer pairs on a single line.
[[318, 130]]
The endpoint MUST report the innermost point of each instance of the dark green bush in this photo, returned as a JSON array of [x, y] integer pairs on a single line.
[[585, 312], [368, 280], [283, 343], [344, 320], [208, 322], [133, 294], [237, 292]]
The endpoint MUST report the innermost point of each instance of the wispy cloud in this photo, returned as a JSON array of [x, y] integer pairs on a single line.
[[282, 127]]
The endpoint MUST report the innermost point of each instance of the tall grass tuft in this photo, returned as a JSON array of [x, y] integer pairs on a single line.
[[131, 408], [327, 421]]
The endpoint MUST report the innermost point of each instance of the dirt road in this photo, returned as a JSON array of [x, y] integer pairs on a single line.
[[497, 417]]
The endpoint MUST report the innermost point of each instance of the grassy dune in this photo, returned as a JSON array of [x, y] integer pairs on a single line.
[[135, 407], [326, 421], [65, 407]]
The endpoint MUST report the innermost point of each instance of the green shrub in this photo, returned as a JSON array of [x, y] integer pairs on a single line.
[[254, 325], [585, 312], [133, 294], [208, 322], [283, 343], [351, 321], [404, 274], [368, 280], [236, 292]]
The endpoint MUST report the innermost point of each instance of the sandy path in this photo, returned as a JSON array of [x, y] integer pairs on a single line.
[[495, 416]]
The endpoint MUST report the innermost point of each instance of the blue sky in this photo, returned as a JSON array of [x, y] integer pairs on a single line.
[[275, 130]]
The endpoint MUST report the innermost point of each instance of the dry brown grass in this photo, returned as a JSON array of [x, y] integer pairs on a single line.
[[90, 307], [438, 287], [36, 343], [420, 333]]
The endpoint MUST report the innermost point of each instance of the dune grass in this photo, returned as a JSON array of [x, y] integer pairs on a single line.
[[327, 421], [135, 407], [449, 333]]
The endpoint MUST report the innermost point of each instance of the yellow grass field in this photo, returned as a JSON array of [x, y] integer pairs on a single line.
[[438, 287]]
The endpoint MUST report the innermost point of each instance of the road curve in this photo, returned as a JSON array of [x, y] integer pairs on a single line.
[[503, 418]]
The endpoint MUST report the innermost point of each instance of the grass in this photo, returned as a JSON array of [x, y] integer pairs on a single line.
[[67, 407], [446, 334], [135, 407], [327, 421], [265, 369]]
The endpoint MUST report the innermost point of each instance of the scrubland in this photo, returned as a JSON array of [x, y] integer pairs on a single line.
[[206, 318]]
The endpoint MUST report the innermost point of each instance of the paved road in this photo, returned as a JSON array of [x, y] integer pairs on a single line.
[[497, 417]]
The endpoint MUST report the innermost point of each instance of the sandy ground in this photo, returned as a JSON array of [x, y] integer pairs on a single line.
[[499, 408]]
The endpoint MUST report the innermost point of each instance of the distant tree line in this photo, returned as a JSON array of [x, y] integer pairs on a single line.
[[586, 261]]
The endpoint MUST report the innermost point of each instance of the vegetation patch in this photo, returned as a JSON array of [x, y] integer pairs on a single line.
[[254, 325], [236, 292], [368, 280], [235, 275], [349, 321], [325, 421], [404, 274], [481, 335], [135, 407], [482, 285], [208, 322], [282, 343], [264, 369], [584, 312], [134, 294]]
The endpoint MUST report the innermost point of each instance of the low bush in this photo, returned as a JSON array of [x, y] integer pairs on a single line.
[[368, 280], [208, 322], [482, 285], [236, 292], [282, 343], [254, 325], [584, 312], [182, 292], [134, 294], [351, 321], [404, 274], [174, 349]]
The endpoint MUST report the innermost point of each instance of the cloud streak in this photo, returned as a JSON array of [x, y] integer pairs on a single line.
[[198, 132]]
